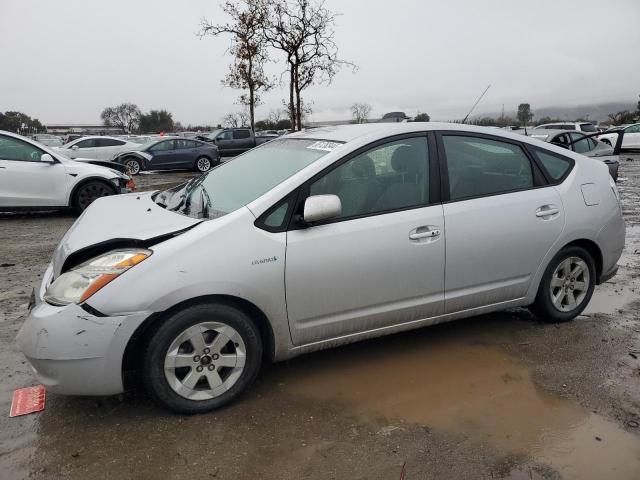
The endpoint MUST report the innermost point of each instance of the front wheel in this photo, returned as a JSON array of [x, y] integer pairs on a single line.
[[566, 286], [88, 192], [203, 164], [133, 166], [201, 358]]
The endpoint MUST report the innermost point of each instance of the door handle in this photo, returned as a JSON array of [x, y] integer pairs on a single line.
[[424, 232], [547, 211]]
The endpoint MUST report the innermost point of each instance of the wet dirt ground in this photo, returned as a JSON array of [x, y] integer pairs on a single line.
[[494, 396]]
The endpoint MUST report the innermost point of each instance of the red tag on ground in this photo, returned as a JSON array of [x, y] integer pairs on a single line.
[[27, 400]]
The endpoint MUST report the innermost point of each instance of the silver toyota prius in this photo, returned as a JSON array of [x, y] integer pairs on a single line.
[[314, 240]]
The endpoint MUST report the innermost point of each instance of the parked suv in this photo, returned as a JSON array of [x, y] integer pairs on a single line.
[[313, 240], [33, 176], [233, 141]]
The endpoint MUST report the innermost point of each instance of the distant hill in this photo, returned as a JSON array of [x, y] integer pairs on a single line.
[[597, 112]]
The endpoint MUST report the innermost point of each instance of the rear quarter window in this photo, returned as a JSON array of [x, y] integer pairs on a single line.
[[556, 166]]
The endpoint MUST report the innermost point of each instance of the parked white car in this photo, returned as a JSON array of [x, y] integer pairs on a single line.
[[313, 240], [99, 148], [33, 176], [631, 138], [586, 127]]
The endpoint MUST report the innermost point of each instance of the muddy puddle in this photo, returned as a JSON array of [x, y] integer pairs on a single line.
[[458, 386]]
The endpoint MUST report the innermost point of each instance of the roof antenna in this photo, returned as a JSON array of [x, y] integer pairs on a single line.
[[474, 105]]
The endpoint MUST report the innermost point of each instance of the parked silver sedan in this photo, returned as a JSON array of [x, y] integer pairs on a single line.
[[313, 240]]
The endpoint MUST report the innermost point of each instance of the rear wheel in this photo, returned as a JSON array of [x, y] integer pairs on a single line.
[[202, 358], [88, 192], [203, 164], [566, 286]]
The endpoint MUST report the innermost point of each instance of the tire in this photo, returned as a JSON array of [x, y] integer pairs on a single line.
[[179, 371], [133, 165], [557, 288], [203, 164], [87, 192]]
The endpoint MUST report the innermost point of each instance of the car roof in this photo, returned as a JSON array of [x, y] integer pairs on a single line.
[[349, 133]]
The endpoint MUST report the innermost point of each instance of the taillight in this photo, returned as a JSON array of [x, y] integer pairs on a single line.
[[131, 185]]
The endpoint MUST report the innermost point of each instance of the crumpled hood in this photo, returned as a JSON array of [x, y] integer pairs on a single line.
[[119, 217]]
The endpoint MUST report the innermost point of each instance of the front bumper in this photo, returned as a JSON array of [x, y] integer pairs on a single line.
[[74, 352]]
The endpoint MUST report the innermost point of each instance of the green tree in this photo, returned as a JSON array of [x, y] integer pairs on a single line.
[[19, 122], [422, 117], [524, 114], [156, 121]]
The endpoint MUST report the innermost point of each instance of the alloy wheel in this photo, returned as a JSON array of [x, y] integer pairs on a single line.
[[133, 167], [203, 164], [205, 360], [569, 284]]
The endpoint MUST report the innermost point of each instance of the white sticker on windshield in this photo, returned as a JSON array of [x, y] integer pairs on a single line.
[[323, 145]]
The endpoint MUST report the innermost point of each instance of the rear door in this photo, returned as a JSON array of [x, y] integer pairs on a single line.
[[107, 148], [185, 153], [381, 263], [501, 219], [25, 181], [242, 139]]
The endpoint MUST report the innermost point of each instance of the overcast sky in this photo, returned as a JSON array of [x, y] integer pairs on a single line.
[[65, 60]]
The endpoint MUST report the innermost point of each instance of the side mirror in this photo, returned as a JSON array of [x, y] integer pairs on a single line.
[[322, 207], [75, 147], [46, 158]]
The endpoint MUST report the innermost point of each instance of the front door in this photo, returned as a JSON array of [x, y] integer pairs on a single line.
[[500, 220], [25, 181], [163, 155], [381, 262]]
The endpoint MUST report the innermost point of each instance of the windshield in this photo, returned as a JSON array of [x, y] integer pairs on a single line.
[[243, 179], [213, 134], [588, 127]]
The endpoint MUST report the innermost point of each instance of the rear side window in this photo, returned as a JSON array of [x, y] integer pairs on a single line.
[[87, 143], [555, 165], [478, 166], [241, 134], [109, 142]]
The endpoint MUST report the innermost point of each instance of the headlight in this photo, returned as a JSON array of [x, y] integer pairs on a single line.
[[78, 284]]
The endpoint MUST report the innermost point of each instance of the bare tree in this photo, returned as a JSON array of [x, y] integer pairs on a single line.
[[236, 119], [303, 31], [125, 116], [248, 46], [275, 116], [360, 112], [243, 118], [231, 120]]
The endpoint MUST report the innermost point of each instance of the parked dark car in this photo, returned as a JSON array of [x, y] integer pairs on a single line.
[[579, 142], [233, 141], [171, 154]]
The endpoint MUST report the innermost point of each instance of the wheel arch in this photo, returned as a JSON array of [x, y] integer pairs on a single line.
[[134, 350], [594, 250], [84, 181]]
